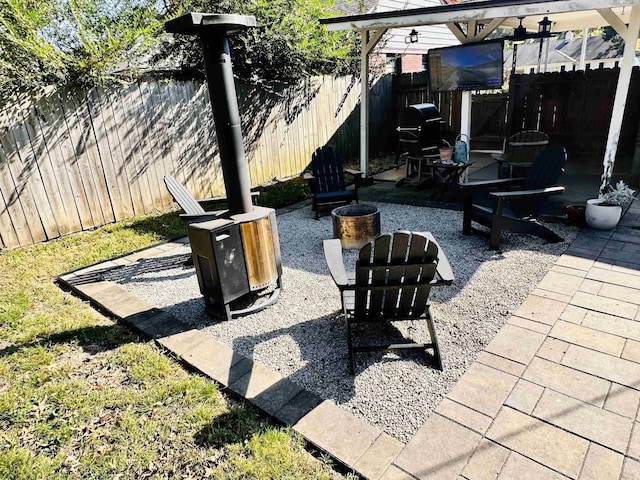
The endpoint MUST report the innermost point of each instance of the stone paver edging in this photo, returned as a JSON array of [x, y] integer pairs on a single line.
[[554, 395]]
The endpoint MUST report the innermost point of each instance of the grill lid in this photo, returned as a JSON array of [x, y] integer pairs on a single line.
[[419, 115]]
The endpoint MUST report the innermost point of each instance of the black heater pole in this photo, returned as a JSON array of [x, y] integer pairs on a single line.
[[213, 30]]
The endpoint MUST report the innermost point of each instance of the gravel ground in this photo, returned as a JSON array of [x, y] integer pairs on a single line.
[[303, 336]]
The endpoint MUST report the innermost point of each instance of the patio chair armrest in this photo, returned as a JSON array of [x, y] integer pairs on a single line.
[[443, 268], [192, 217], [502, 182], [520, 164], [223, 199], [335, 262], [355, 173], [527, 193], [311, 181]]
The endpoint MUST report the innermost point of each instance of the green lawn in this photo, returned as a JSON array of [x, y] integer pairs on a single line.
[[82, 397]]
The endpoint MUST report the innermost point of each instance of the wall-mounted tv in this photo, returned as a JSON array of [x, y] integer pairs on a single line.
[[475, 66]]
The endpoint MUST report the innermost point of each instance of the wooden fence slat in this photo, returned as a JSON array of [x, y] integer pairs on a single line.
[[14, 230], [80, 130], [160, 154], [155, 169], [52, 123], [163, 123], [20, 173], [185, 160], [55, 178], [119, 203], [119, 136], [79, 171], [30, 173], [43, 177], [145, 169], [131, 150], [106, 133], [94, 157], [214, 166]]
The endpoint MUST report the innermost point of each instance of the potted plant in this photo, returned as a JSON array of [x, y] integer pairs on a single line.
[[604, 212]]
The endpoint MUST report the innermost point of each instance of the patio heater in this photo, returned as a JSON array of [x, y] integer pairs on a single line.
[[238, 252]]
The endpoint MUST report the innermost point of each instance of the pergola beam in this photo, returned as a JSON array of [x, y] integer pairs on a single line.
[[484, 33], [457, 31], [614, 20], [472, 34], [486, 10]]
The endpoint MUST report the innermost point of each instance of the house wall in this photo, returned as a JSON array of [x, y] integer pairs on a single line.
[[411, 63]]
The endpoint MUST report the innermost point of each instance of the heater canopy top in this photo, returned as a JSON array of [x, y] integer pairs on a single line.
[[194, 23]]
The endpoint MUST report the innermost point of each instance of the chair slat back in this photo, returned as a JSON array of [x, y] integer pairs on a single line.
[[182, 197], [327, 169], [525, 146], [393, 276], [546, 169], [544, 172]]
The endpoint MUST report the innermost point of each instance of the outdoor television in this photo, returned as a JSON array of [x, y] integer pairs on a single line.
[[476, 66]]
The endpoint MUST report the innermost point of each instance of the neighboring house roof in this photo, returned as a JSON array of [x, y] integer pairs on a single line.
[[565, 51], [394, 40]]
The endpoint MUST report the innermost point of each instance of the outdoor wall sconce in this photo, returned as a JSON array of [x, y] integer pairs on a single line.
[[412, 37]]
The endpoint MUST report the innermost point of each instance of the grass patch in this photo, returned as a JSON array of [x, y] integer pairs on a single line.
[[82, 397]]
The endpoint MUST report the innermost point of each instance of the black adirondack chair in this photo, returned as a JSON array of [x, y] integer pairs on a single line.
[[193, 208], [392, 282], [327, 180], [515, 203], [520, 152]]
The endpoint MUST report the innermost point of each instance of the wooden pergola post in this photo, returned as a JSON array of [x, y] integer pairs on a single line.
[[630, 35], [366, 45]]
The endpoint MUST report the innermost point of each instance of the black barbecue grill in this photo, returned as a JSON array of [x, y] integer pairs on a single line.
[[419, 128], [420, 137]]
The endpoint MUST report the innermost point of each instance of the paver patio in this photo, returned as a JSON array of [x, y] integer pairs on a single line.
[[554, 395]]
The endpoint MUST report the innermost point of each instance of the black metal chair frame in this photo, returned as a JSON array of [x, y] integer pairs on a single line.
[[393, 278], [520, 152]]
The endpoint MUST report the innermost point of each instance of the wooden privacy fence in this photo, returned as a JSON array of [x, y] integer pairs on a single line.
[[574, 108], [74, 159]]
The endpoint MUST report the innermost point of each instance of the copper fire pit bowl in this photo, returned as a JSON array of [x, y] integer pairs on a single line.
[[355, 225]]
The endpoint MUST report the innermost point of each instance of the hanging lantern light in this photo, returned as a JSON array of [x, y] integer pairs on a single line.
[[412, 37], [544, 26]]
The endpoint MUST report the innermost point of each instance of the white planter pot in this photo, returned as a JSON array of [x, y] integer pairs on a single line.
[[602, 217]]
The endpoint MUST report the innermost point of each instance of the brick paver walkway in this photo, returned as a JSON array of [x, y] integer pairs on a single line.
[[555, 394]]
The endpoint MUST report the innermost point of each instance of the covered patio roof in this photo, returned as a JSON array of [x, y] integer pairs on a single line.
[[474, 21]]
